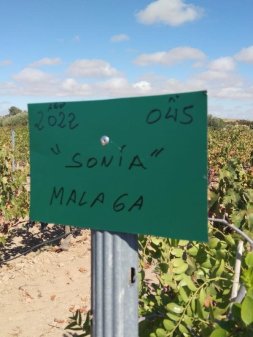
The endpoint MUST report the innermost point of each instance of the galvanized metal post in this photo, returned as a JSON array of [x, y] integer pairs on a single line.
[[114, 284], [13, 149]]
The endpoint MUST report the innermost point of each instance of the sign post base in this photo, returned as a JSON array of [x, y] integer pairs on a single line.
[[114, 284]]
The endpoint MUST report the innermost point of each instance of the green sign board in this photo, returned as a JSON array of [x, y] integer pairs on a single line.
[[133, 165]]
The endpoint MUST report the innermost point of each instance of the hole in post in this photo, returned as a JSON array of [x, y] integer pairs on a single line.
[[132, 275]]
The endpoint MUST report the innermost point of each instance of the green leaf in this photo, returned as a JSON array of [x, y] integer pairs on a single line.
[[236, 311], [77, 329], [2, 240], [178, 252], [238, 217], [220, 270], [188, 320], [219, 332], [213, 242], [249, 259], [200, 311], [207, 264], [183, 294], [181, 269], [168, 325], [247, 310], [177, 262], [250, 220], [250, 293], [173, 317], [212, 198], [4, 180], [231, 198], [189, 283], [179, 277], [229, 239], [70, 326], [193, 305], [164, 267], [202, 296], [189, 311], [156, 241], [167, 277], [160, 332], [183, 243], [87, 323], [193, 251], [182, 329], [79, 320], [173, 307]]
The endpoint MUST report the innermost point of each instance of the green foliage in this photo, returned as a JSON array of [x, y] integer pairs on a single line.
[[15, 117], [13, 110], [2, 240], [232, 196], [79, 323], [215, 123], [13, 193], [15, 120], [243, 122], [14, 168], [189, 291], [193, 292], [191, 286], [228, 144]]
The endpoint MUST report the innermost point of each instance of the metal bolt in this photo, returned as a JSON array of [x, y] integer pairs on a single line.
[[104, 140]]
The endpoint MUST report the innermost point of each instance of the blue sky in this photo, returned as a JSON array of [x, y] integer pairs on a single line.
[[65, 50]]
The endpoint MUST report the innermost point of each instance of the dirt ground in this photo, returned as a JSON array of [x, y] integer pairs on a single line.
[[41, 289]]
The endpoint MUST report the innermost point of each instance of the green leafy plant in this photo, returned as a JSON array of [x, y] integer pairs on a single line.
[[188, 291], [13, 193], [80, 323]]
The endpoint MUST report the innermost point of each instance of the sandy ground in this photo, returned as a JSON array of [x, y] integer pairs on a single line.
[[39, 291]]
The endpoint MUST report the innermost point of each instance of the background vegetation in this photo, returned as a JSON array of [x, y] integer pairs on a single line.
[[191, 289]]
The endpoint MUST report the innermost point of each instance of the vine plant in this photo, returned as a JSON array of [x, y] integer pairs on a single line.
[[189, 287], [188, 291]]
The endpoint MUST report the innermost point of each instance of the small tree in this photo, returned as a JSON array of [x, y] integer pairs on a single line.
[[13, 110], [215, 122]]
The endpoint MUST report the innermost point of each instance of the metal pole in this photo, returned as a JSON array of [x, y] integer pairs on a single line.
[[13, 149], [114, 284]]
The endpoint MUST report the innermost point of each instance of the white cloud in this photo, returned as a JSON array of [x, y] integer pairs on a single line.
[[219, 72], [235, 92], [213, 75], [235, 111], [119, 38], [245, 55], [169, 12], [219, 77], [4, 63], [71, 87], [171, 57], [114, 87], [46, 61], [222, 64], [142, 86], [91, 68], [31, 75]]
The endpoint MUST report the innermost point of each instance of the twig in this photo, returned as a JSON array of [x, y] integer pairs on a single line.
[[224, 222]]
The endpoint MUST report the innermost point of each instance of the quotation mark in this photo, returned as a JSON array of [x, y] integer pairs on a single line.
[[56, 150], [156, 152]]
